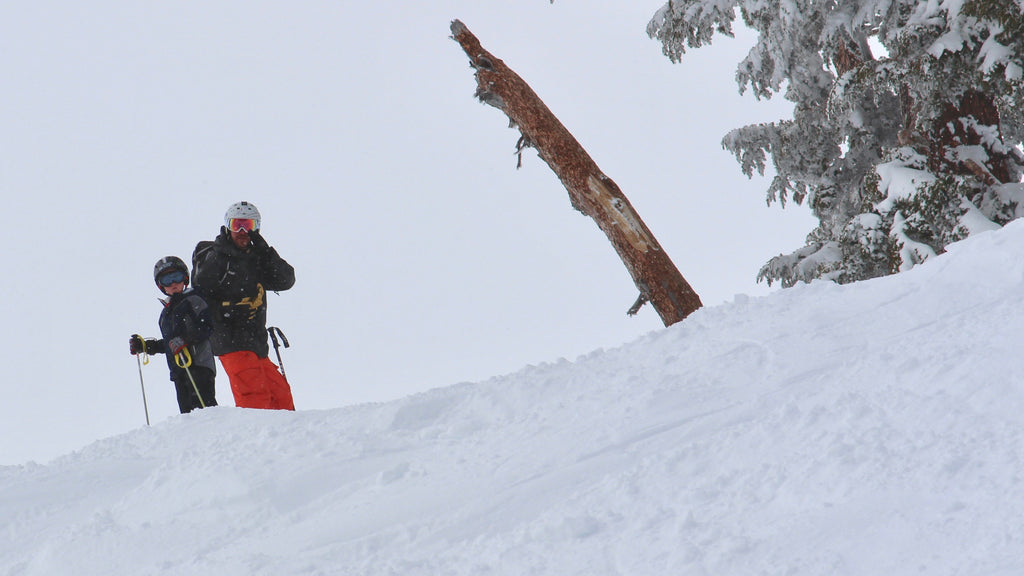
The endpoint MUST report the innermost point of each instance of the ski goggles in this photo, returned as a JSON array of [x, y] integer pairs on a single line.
[[243, 225], [170, 278]]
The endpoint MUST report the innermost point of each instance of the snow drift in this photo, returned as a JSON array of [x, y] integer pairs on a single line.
[[874, 428]]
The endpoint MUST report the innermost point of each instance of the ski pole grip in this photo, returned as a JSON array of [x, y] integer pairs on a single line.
[[274, 336], [183, 358], [142, 354]]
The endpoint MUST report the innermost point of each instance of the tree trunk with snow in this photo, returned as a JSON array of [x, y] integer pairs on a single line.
[[590, 191]]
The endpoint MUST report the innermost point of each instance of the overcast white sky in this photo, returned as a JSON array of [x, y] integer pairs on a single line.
[[423, 257]]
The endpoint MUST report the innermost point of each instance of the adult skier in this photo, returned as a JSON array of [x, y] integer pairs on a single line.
[[234, 273], [186, 328]]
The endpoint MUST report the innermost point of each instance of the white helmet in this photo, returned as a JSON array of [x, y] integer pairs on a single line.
[[242, 210]]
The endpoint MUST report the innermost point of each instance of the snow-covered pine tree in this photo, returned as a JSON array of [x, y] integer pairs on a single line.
[[897, 153]]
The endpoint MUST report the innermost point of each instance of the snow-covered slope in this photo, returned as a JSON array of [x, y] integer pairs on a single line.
[[875, 428]]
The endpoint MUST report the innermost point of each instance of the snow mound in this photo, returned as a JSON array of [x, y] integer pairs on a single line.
[[867, 429]]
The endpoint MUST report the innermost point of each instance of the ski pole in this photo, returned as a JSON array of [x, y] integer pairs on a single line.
[[142, 382], [183, 359], [273, 338]]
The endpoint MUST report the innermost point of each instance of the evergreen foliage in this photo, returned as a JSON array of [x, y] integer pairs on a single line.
[[897, 154]]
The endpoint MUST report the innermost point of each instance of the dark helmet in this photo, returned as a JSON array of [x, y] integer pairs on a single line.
[[169, 264]]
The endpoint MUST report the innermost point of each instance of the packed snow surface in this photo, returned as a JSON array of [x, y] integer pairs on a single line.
[[874, 428]]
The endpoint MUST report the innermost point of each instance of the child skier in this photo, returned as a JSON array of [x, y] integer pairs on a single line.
[[185, 327]]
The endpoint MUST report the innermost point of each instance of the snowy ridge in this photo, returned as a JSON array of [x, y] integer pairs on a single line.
[[874, 428]]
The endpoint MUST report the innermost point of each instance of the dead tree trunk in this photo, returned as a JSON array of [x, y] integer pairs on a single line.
[[590, 191]]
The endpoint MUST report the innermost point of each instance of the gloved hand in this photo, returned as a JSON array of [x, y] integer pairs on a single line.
[[259, 245], [136, 345], [176, 344]]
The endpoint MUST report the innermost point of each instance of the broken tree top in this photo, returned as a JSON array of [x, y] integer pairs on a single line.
[[590, 190]]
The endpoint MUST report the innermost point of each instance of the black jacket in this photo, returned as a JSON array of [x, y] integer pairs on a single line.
[[235, 282], [186, 316]]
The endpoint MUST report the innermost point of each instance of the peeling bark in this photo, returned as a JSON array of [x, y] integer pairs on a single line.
[[590, 191]]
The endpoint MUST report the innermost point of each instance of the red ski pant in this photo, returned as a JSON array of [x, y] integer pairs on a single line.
[[255, 382]]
